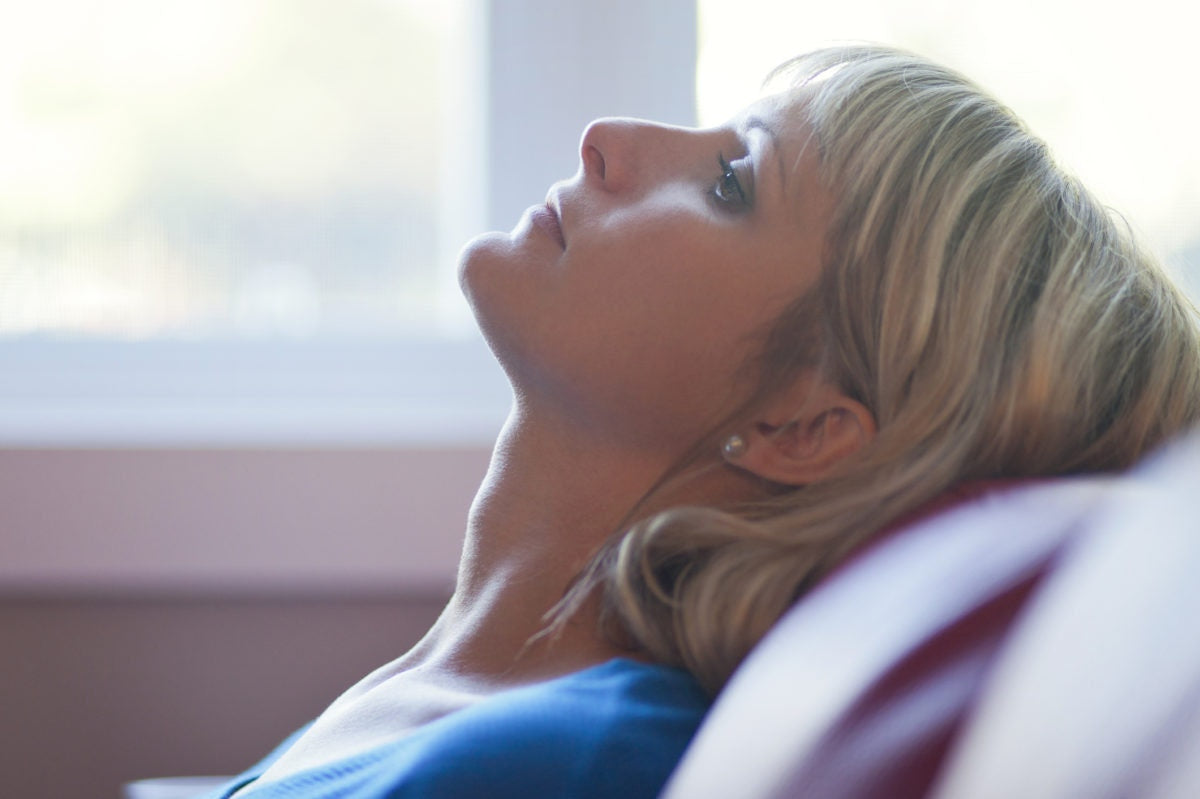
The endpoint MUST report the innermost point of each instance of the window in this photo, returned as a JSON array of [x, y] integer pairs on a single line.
[[235, 221], [248, 168]]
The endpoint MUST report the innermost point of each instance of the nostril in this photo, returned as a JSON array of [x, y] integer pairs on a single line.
[[593, 161]]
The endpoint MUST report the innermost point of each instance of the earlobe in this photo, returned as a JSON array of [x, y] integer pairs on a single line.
[[808, 445]]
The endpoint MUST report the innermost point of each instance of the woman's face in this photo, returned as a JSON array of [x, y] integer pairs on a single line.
[[631, 305]]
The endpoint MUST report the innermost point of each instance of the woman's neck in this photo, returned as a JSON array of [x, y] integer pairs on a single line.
[[551, 497]]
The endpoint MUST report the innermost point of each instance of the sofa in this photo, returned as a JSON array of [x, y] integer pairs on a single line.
[[1040, 640]]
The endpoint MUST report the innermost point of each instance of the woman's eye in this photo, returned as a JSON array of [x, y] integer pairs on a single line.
[[728, 190]]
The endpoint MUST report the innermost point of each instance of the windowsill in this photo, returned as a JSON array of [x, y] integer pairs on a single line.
[[265, 469], [416, 391]]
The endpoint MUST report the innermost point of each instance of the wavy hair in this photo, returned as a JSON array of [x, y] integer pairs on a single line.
[[995, 318]]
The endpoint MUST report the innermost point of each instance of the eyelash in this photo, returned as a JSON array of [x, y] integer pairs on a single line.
[[728, 185]]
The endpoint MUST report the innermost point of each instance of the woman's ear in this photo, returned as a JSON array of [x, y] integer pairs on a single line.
[[803, 434]]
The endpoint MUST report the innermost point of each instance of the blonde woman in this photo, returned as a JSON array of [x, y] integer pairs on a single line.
[[737, 354]]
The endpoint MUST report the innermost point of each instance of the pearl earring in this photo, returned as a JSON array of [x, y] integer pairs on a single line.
[[734, 447]]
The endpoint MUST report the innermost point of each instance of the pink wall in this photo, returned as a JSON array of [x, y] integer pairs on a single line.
[[104, 522], [96, 693], [167, 612]]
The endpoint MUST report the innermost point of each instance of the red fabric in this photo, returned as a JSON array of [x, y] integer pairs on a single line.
[[892, 741], [948, 500]]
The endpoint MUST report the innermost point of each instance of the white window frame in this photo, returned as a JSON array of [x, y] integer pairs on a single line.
[[541, 70]]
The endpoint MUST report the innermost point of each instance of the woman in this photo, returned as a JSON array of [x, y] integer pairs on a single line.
[[736, 354]]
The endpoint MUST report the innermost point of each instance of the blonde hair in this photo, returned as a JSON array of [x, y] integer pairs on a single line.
[[992, 315]]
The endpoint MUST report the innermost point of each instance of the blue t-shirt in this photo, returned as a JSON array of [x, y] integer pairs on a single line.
[[613, 730]]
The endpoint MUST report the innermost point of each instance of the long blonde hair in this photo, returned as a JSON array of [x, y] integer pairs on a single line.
[[992, 315]]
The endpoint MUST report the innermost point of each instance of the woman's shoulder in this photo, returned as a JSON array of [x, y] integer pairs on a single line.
[[619, 694]]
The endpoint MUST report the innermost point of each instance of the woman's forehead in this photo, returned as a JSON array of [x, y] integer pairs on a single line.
[[793, 149], [785, 117], [786, 110]]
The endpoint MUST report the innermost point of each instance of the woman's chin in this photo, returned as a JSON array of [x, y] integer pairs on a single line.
[[476, 261]]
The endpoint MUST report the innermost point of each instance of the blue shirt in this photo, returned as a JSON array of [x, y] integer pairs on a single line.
[[613, 730]]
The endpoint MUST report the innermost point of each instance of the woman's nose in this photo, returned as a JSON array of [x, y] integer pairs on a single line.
[[611, 150]]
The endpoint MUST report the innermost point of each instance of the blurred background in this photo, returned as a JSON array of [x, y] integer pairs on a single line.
[[243, 407]]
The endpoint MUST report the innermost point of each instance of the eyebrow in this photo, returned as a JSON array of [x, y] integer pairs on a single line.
[[758, 123]]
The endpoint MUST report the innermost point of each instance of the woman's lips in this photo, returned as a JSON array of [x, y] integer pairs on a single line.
[[544, 219]]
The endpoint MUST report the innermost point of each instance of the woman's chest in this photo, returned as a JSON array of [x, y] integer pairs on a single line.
[[364, 720]]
